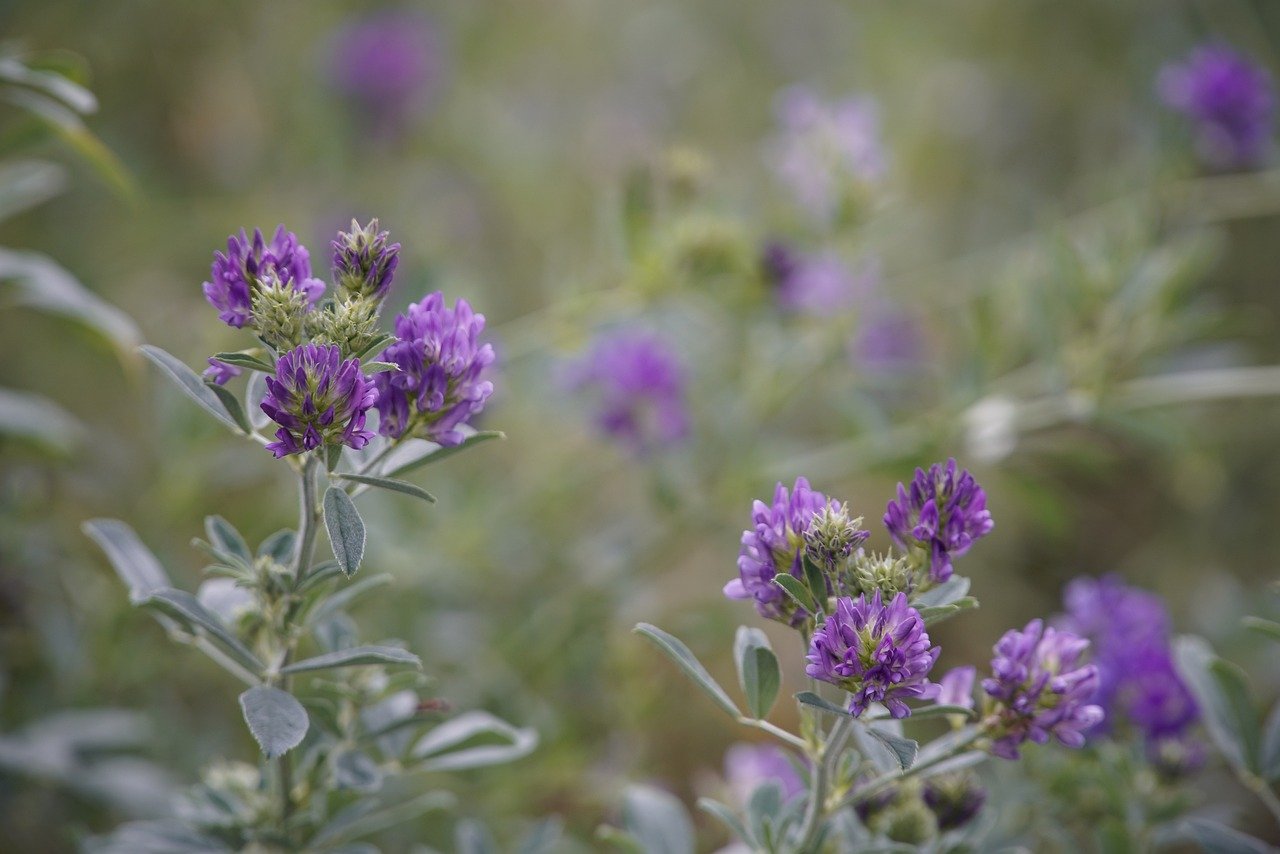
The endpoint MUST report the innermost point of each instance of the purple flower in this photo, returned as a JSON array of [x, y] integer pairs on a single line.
[[821, 149], [1130, 631], [438, 386], [954, 799], [748, 766], [246, 265], [389, 64], [957, 687], [878, 653], [318, 400], [888, 340], [776, 543], [641, 390], [816, 284], [1038, 688], [944, 514], [364, 261], [1229, 100], [220, 373]]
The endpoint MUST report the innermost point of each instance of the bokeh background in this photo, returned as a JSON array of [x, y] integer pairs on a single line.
[[1040, 232]]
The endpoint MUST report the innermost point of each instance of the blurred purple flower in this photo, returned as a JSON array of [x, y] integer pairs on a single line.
[[439, 386], [957, 687], [775, 543], [955, 799], [220, 373], [889, 340], [318, 400], [1229, 100], [815, 284], [944, 513], [236, 274], [389, 63], [748, 766], [878, 653], [1130, 631], [821, 148], [1038, 688], [640, 388]]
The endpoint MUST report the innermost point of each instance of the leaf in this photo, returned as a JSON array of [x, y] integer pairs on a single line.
[[934, 614], [355, 656], [344, 597], [729, 819], [354, 769], [448, 746], [904, 749], [1217, 838], [377, 344], [133, 562], [411, 457], [955, 587], [762, 809], [472, 837], [232, 404], [811, 699], [191, 384], [39, 422], [688, 662], [1266, 628], [255, 391], [797, 590], [72, 94], [188, 608], [26, 183], [223, 535], [758, 671], [543, 838], [379, 367], [1269, 760], [657, 820], [279, 546], [346, 529], [71, 130], [1223, 700], [246, 359], [939, 710], [276, 719], [363, 818], [816, 581], [387, 483]]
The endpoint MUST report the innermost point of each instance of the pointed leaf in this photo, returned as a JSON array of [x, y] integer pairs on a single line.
[[232, 404], [346, 529], [39, 422], [246, 359], [955, 587], [816, 581], [276, 719], [729, 819], [353, 657], [811, 699], [1266, 628], [688, 662], [191, 384], [1223, 700], [657, 820], [390, 484], [188, 608], [410, 457], [1217, 838], [904, 749], [344, 597], [451, 747], [225, 537], [797, 590], [133, 562]]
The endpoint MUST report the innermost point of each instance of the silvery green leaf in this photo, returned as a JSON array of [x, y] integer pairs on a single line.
[[413, 455], [758, 671], [543, 838], [225, 537], [276, 719], [797, 590], [888, 752], [65, 90], [335, 633], [955, 587], [657, 820], [364, 818], [39, 421], [1220, 691], [155, 837], [816, 581], [379, 367], [949, 743], [343, 598], [346, 529], [279, 546], [232, 404], [1217, 838], [934, 614], [811, 699], [387, 483], [224, 597], [472, 837], [27, 183], [675, 649], [44, 286], [378, 343], [133, 562], [246, 359], [763, 808], [187, 608], [355, 769], [1266, 628], [939, 710], [729, 819], [191, 384], [355, 656], [466, 742], [255, 391]]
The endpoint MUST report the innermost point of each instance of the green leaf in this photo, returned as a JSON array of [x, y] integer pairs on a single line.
[[191, 384], [375, 345], [133, 561], [904, 749], [688, 662], [355, 656], [223, 535], [797, 590], [411, 457], [955, 587], [363, 818], [1234, 685], [1217, 838], [344, 597], [279, 546], [657, 820], [937, 711], [1266, 628], [186, 607], [255, 391], [232, 404], [934, 614], [1223, 698], [355, 769], [1269, 761], [55, 85], [729, 819], [346, 529], [276, 719], [816, 581], [379, 367], [809, 698], [390, 484], [39, 421], [246, 359], [466, 742], [27, 183], [758, 671]]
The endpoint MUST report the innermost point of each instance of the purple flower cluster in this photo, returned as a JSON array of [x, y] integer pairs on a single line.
[[318, 400], [815, 284], [1229, 100], [748, 766], [878, 653], [364, 260], [1038, 688], [775, 544], [821, 148], [389, 64], [641, 389], [944, 513], [251, 264], [1138, 681], [438, 386]]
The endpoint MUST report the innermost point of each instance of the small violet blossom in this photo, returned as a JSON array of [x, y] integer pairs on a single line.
[[816, 284], [944, 513], [775, 543], [640, 387], [389, 64], [748, 766], [247, 264], [1039, 689], [318, 400], [220, 373], [878, 653], [1229, 100], [957, 687], [438, 385]]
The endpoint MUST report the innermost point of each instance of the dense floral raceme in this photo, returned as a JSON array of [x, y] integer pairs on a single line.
[[1138, 682], [441, 363], [775, 543], [364, 261], [1039, 688], [390, 64], [748, 766], [249, 265], [1229, 100], [878, 653], [318, 400], [640, 387], [944, 513]]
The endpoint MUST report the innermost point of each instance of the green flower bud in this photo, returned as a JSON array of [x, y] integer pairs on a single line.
[[832, 537], [887, 573], [280, 313], [351, 324]]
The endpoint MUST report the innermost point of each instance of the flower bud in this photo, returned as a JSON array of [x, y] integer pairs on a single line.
[[832, 537], [352, 324], [280, 313], [955, 799], [364, 261], [887, 573]]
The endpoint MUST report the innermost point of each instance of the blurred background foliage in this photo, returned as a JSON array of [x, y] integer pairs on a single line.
[[575, 168]]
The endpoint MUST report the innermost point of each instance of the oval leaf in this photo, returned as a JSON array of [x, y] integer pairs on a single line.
[[758, 671], [390, 484], [276, 719], [346, 529], [657, 820], [688, 662], [354, 657], [190, 383]]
